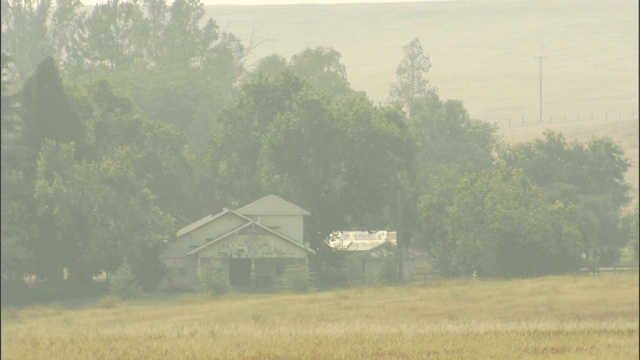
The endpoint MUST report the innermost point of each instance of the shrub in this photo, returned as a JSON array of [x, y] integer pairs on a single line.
[[211, 280], [124, 284], [296, 278], [109, 302]]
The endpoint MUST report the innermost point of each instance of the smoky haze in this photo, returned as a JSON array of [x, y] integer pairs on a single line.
[[330, 181]]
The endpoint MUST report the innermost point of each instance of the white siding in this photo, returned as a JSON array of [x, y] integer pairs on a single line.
[[203, 234]]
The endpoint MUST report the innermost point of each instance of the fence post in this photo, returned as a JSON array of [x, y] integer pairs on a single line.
[[606, 115], [509, 123], [592, 115]]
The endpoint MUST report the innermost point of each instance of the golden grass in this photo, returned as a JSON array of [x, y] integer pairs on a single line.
[[568, 317]]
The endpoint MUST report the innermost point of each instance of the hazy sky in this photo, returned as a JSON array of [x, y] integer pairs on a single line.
[[280, 2], [283, 2]]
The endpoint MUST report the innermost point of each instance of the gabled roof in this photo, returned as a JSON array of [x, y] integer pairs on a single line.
[[202, 222], [272, 205], [250, 222]]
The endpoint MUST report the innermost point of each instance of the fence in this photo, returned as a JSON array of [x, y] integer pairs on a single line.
[[560, 118]]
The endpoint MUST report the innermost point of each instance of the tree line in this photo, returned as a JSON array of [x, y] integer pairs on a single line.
[[126, 122]]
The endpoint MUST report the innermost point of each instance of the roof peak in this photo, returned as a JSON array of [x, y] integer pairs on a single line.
[[272, 205]]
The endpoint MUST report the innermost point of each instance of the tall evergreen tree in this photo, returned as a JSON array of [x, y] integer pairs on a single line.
[[46, 110]]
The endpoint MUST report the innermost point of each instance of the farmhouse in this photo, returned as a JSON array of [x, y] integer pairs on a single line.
[[251, 246], [367, 253]]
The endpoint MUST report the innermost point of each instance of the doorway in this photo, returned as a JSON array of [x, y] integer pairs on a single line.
[[240, 272]]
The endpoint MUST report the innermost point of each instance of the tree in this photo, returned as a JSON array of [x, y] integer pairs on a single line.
[[156, 16], [115, 34], [570, 169], [450, 145], [322, 68], [17, 221], [497, 224], [186, 43], [46, 110], [634, 233], [25, 33], [589, 175], [100, 212], [124, 283], [337, 157], [68, 36], [236, 149], [8, 106], [410, 82], [270, 66], [18, 226], [449, 140]]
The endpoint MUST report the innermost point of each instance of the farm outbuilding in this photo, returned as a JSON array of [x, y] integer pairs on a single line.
[[368, 253], [251, 246]]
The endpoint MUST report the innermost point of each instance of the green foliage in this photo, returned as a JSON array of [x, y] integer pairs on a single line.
[[100, 213], [500, 225], [213, 281], [46, 110], [571, 169], [8, 106], [337, 157], [589, 175], [450, 146], [296, 278], [124, 284], [322, 69], [450, 141], [25, 33], [630, 222]]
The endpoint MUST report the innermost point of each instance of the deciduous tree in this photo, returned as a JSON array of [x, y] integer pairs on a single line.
[[497, 224]]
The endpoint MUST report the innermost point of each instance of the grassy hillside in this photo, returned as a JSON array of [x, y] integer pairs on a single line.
[[483, 52], [568, 317]]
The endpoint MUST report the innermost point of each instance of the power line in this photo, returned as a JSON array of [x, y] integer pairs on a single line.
[[541, 57]]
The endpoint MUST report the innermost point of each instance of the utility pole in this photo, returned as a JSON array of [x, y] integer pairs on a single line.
[[541, 57]]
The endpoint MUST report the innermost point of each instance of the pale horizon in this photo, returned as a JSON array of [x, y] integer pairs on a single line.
[[287, 2]]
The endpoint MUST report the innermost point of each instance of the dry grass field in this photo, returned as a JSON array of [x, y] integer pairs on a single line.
[[567, 317], [483, 52]]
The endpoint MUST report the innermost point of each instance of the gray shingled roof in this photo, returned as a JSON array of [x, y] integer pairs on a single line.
[[272, 205]]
